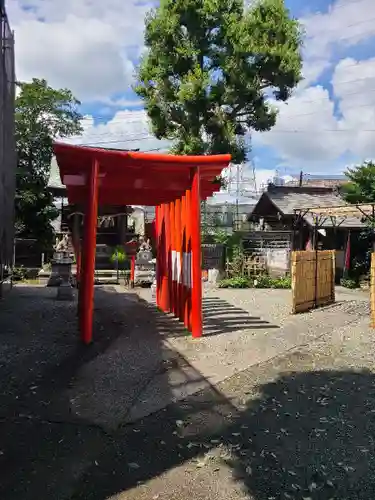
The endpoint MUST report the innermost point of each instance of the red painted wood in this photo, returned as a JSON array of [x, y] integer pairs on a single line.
[[196, 255], [164, 290], [135, 178], [90, 250], [172, 208], [157, 239], [182, 260], [188, 318]]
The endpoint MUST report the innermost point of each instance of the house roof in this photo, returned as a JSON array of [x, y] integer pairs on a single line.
[[317, 180], [288, 199]]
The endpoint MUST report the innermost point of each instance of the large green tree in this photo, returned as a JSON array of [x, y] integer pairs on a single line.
[[42, 115], [210, 67]]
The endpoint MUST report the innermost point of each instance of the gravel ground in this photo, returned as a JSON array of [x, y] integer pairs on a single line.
[[275, 305], [299, 426]]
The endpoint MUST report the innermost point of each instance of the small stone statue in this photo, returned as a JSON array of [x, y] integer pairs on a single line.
[[144, 245], [63, 244], [144, 254]]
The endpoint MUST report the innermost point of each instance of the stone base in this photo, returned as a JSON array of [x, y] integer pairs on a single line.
[[65, 292], [54, 279]]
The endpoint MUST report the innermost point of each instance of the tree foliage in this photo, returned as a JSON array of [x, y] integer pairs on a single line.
[[361, 189], [42, 115], [211, 66], [361, 185]]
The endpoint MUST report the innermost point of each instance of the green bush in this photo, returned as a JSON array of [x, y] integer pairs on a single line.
[[349, 283], [118, 256], [269, 282], [19, 273], [239, 282], [260, 282]]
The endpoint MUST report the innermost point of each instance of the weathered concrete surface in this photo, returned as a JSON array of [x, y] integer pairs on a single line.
[[42, 355], [236, 339]]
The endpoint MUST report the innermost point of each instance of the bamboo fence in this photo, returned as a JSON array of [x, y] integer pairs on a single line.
[[313, 279]]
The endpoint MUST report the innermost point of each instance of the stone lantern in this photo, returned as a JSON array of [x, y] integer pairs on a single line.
[[62, 270]]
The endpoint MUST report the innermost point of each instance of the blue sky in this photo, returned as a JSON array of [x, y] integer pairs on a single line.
[[92, 47]]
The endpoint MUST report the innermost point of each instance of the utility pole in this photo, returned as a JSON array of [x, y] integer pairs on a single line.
[[237, 194]]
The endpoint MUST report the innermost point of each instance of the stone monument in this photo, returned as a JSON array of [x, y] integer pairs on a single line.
[[62, 269], [144, 264]]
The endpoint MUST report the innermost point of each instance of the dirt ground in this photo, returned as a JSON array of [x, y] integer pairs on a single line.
[[298, 425]]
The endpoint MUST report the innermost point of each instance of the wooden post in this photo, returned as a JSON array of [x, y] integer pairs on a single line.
[[157, 241], [195, 214], [188, 278], [172, 210], [182, 260], [178, 255], [77, 244], [293, 280], [372, 289], [164, 292], [132, 271], [168, 254], [333, 276], [167, 247], [90, 251]]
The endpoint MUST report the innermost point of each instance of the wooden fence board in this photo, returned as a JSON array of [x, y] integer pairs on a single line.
[[372, 290], [313, 279]]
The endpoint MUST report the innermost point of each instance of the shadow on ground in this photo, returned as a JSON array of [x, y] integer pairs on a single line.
[[305, 435], [220, 316], [310, 435], [58, 399]]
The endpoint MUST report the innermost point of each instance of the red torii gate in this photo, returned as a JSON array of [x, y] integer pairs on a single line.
[[175, 185]]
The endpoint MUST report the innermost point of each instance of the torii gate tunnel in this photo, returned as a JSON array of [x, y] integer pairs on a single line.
[[175, 185]]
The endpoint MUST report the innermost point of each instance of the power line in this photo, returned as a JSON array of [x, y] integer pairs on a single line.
[[342, 111], [306, 101], [101, 118], [118, 141], [293, 131], [349, 37], [321, 131], [336, 5], [130, 139]]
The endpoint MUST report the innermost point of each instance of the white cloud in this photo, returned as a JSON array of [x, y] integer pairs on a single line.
[[345, 24], [298, 134], [88, 46], [309, 132], [91, 46], [128, 129], [314, 129]]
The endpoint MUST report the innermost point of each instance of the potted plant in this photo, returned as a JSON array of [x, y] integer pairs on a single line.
[[118, 259]]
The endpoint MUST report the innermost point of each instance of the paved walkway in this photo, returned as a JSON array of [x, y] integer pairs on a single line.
[[66, 410]]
